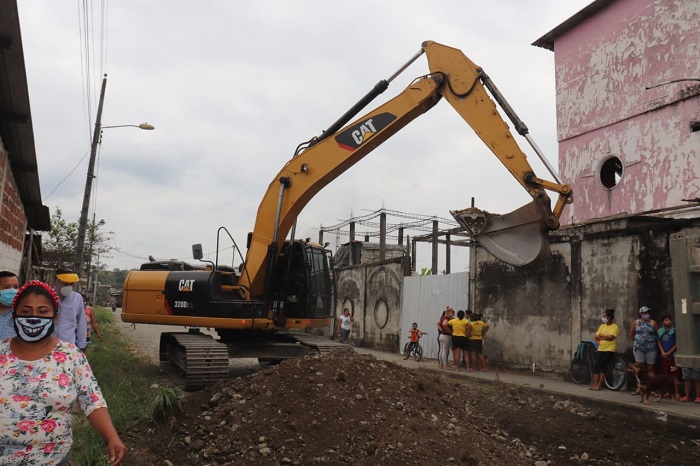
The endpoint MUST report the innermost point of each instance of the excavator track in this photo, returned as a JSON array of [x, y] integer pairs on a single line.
[[193, 360]]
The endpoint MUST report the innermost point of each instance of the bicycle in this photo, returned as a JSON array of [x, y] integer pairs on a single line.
[[415, 350], [581, 369]]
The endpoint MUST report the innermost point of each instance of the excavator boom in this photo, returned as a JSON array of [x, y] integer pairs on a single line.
[[517, 239]]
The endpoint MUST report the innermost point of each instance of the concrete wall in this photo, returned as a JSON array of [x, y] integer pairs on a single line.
[[373, 294], [603, 66], [539, 313], [13, 221]]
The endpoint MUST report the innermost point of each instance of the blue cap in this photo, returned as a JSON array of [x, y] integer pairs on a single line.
[[644, 310]]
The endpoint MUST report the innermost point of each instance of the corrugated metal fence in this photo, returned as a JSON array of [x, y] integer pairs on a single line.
[[424, 299]]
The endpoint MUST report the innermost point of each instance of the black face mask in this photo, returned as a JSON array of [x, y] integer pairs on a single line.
[[33, 329]]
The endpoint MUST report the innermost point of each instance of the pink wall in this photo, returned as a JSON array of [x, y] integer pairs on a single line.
[[602, 68]]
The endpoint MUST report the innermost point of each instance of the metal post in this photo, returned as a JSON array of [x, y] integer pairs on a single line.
[[80, 246], [448, 256], [382, 237], [435, 239]]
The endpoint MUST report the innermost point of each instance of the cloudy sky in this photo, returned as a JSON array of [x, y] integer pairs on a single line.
[[233, 87]]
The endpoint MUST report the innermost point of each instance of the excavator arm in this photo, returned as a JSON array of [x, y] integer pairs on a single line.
[[517, 238]]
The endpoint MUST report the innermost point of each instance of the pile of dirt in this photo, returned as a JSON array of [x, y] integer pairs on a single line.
[[347, 408]]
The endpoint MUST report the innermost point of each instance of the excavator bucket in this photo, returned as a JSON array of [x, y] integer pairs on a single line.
[[518, 238]]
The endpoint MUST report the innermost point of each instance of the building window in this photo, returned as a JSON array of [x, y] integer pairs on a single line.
[[609, 172]]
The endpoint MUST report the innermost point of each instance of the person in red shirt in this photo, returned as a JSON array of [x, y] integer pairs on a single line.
[[445, 337], [91, 320]]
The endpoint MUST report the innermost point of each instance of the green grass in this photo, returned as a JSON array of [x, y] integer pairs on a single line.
[[130, 383]]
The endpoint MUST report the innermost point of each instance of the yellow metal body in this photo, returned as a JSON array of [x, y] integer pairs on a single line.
[[145, 294]]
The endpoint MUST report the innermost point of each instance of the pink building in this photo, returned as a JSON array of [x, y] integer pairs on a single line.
[[628, 106]]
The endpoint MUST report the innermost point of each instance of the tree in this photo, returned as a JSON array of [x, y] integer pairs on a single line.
[[59, 247]]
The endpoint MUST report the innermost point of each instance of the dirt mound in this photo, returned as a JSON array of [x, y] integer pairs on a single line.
[[346, 408]]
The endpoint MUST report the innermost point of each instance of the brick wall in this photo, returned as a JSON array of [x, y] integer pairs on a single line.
[[13, 221]]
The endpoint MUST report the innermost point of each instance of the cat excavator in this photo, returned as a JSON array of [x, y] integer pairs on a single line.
[[284, 285]]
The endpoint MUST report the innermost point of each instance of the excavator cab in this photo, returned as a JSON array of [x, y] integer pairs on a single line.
[[303, 282]]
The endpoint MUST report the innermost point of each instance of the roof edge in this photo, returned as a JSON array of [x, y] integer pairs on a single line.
[[547, 40]]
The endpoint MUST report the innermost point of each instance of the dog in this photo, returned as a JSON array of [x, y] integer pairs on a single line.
[[661, 383]]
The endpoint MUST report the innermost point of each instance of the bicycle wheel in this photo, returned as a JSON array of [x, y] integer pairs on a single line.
[[616, 373], [579, 371], [418, 353], [406, 352]]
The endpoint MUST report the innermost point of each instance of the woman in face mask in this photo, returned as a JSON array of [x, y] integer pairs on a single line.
[[644, 348], [606, 337], [41, 378]]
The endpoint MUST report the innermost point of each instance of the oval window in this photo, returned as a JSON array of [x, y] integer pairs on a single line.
[[610, 171]]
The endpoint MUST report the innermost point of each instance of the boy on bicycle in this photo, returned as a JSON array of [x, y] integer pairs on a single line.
[[415, 334]]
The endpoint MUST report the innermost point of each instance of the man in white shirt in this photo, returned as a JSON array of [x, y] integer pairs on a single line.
[[71, 325]]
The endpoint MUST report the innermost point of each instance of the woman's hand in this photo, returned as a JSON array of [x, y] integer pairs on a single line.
[[117, 451]]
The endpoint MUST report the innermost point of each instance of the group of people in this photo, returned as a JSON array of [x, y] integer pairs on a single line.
[[652, 341], [649, 342], [463, 335], [44, 372]]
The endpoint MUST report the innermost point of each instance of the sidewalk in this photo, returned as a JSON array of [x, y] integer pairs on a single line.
[[686, 413]]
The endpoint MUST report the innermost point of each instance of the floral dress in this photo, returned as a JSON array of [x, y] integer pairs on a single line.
[[36, 399], [644, 336]]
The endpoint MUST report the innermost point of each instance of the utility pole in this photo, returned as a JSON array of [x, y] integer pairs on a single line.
[[80, 246]]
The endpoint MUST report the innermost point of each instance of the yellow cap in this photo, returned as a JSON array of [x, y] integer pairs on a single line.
[[68, 277]]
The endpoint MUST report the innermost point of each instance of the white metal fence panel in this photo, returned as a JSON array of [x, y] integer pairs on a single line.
[[424, 299]]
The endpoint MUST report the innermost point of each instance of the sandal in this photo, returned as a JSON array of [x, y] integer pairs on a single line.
[[636, 392]]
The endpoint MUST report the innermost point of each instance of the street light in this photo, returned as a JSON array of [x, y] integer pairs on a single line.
[[80, 246], [145, 126]]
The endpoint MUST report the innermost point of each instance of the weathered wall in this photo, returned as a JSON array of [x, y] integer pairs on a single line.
[[373, 294], [13, 220], [527, 308], [603, 66], [539, 313]]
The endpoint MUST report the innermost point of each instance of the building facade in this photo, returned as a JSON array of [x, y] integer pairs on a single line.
[[628, 105]]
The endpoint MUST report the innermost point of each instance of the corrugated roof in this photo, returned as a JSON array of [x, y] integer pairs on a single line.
[[16, 128]]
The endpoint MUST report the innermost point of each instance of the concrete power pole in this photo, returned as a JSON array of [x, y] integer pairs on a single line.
[[82, 227]]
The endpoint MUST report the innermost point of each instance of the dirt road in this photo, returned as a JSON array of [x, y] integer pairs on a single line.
[[146, 340]]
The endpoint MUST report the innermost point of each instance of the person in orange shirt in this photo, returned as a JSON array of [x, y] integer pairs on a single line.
[[415, 334]]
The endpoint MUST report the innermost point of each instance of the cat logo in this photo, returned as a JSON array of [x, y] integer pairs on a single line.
[[186, 285], [356, 135]]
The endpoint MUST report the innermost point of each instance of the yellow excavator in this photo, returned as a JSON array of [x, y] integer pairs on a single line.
[[285, 284]]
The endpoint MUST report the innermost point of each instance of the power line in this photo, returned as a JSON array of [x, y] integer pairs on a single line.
[[66, 177]]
